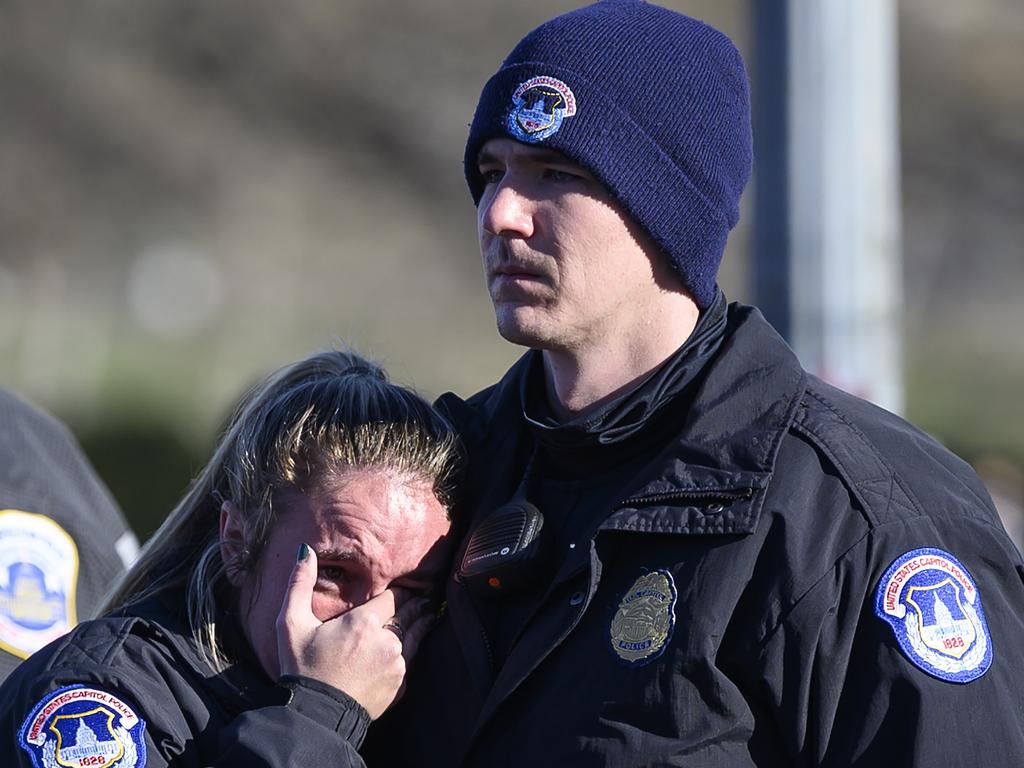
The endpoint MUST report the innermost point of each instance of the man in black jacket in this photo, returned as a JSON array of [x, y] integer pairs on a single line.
[[738, 564]]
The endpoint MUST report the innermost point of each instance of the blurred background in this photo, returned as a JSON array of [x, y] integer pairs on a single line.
[[195, 192]]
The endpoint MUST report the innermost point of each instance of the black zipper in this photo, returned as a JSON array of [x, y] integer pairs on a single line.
[[693, 495]]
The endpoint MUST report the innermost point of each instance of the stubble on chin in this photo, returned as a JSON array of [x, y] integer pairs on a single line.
[[520, 324]]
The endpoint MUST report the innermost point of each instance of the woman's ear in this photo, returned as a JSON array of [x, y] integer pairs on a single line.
[[232, 542]]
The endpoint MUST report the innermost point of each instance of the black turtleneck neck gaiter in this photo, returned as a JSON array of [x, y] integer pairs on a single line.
[[629, 424]]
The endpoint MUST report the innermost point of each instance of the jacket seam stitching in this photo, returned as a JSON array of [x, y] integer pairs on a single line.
[[892, 500], [867, 445], [826, 449], [871, 447]]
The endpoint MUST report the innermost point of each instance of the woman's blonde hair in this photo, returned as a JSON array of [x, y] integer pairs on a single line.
[[320, 417]]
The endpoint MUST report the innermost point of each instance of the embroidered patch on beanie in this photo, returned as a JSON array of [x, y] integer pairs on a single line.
[[539, 105]]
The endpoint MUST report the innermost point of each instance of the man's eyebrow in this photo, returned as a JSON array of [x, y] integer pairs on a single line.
[[532, 154], [484, 157], [539, 155]]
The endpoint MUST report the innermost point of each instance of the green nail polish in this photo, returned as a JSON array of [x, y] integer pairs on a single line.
[[303, 553]]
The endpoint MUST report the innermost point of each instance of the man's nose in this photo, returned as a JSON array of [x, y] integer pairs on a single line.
[[507, 212]]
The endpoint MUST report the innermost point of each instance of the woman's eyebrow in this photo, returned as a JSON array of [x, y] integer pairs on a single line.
[[335, 555]]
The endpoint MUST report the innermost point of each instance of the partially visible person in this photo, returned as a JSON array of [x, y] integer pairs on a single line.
[[63, 541], [271, 617]]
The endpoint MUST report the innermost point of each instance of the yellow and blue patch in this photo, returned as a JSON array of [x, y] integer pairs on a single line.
[[932, 604], [84, 727], [38, 579], [539, 106]]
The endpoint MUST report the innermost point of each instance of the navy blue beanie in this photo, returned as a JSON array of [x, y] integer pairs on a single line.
[[655, 104]]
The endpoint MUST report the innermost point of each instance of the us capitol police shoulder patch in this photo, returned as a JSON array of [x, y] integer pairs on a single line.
[[934, 608], [38, 577], [85, 728], [646, 617]]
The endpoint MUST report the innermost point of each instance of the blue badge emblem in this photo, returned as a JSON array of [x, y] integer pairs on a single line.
[[38, 577], [80, 726], [933, 606], [539, 106], [645, 619]]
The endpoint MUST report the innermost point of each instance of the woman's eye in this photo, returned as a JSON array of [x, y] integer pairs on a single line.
[[332, 573]]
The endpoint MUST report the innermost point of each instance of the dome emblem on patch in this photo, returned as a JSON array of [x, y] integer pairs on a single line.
[[932, 604], [645, 619], [81, 726], [38, 580], [539, 105]]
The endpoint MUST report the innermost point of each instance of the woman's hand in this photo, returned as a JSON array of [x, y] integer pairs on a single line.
[[354, 651]]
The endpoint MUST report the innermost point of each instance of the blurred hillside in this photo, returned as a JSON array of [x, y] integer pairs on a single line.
[[194, 192], [962, 112]]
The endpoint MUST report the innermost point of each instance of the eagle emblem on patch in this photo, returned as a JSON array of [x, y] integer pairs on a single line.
[[38, 579], [645, 619], [83, 727], [539, 105], [932, 604]]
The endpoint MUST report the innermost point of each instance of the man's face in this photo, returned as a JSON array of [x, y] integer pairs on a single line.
[[368, 530], [564, 266]]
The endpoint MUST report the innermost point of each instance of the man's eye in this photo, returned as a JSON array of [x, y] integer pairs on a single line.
[[558, 174], [491, 175]]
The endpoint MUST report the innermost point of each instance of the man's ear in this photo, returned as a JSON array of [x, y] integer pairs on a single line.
[[232, 542]]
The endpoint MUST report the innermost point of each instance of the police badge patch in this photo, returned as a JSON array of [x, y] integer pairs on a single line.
[[539, 105], [86, 727], [646, 617], [38, 577], [933, 606]]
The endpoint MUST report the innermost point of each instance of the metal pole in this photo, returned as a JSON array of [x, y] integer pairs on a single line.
[[842, 180]]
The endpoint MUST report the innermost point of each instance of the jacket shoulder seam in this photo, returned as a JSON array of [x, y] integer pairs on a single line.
[[859, 486]]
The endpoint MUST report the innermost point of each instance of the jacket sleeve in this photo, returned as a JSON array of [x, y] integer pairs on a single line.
[[44, 722], [849, 690], [317, 725]]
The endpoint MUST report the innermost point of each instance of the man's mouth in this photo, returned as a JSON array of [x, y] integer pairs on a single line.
[[515, 272], [514, 275], [516, 283]]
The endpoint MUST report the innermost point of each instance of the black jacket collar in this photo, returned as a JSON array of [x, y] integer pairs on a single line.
[[711, 474]]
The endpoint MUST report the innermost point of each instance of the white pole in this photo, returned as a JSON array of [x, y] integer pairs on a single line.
[[844, 200]]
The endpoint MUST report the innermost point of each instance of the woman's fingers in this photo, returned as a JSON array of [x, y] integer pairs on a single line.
[[296, 621]]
